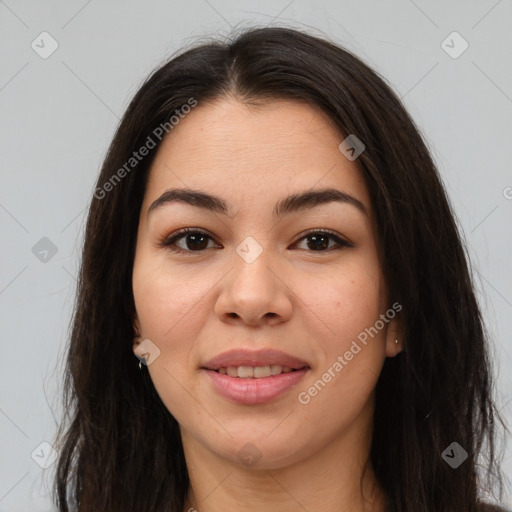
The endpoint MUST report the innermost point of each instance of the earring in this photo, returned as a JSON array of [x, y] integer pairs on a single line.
[[138, 339], [396, 341]]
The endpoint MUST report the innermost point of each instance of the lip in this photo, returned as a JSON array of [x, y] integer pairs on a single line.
[[261, 357], [252, 391]]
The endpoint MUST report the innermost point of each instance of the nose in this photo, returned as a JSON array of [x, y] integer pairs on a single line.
[[255, 293]]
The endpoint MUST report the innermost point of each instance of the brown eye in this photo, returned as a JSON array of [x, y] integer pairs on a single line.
[[193, 241], [196, 241], [318, 241]]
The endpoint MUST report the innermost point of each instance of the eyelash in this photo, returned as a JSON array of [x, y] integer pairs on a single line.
[[168, 243]]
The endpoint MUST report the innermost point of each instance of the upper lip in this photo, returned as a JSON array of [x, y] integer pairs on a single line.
[[262, 357]]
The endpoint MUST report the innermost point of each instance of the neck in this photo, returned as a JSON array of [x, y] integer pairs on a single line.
[[338, 478]]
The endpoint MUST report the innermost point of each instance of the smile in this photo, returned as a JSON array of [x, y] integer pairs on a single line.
[[255, 372], [253, 377]]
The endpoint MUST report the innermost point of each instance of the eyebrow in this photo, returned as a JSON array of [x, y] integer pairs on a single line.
[[290, 204]]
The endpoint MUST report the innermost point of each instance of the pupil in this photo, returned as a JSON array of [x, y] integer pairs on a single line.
[[200, 241], [194, 239], [317, 242]]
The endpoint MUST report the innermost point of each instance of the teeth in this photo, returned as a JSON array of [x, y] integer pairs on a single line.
[[257, 372], [245, 372], [262, 371], [275, 369]]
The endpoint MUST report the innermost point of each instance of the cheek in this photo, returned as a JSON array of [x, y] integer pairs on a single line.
[[346, 301], [169, 308], [167, 303], [350, 350]]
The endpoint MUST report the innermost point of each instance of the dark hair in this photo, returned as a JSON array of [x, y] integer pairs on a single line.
[[122, 450]]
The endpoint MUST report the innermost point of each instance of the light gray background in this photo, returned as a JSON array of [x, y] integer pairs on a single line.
[[59, 114]]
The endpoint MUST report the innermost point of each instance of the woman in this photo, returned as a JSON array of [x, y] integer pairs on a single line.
[[270, 237]]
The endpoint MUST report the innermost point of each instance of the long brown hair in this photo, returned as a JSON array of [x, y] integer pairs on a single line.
[[122, 451]]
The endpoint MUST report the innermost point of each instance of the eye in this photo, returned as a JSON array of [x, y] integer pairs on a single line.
[[197, 241], [320, 239], [194, 241]]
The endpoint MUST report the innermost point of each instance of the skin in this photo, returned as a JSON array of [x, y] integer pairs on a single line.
[[197, 305]]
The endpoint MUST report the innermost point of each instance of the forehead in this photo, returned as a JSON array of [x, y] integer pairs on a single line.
[[254, 154]]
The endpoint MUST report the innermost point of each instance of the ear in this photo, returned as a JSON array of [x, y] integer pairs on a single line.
[[394, 332]]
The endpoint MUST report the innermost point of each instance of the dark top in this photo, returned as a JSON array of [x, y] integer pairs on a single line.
[[486, 507]]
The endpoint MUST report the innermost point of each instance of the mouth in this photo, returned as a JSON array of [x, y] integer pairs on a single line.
[[254, 377], [256, 372], [255, 359]]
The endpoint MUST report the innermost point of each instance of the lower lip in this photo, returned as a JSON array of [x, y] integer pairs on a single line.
[[254, 391]]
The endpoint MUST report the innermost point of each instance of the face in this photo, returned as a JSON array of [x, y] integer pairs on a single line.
[[269, 318]]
